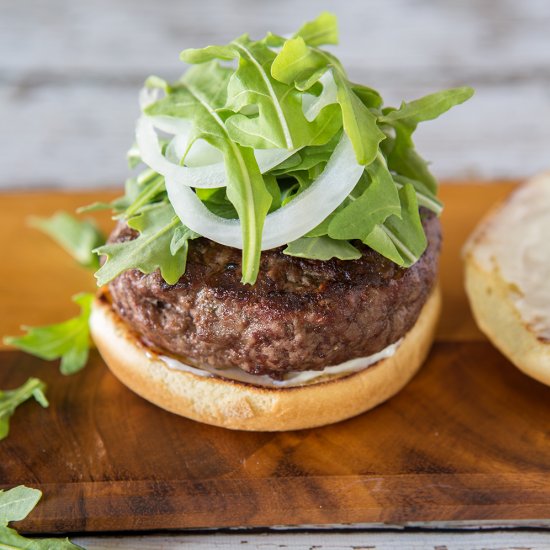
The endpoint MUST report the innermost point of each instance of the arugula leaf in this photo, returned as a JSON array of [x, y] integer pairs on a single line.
[[197, 96], [11, 539], [217, 202], [424, 196], [399, 150], [403, 159], [306, 159], [151, 188], [401, 238], [322, 30], [150, 251], [296, 61], [370, 97], [261, 111], [280, 120], [69, 340], [180, 238], [379, 201], [274, 190], [300, 61], [15, 505], [427, 107], [322, 248], [132, 188], [9, 400], [359, 123], [77, 237], [210, 53]]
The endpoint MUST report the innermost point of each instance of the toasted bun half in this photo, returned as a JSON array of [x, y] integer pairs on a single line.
[[240, 406], [501, 305]]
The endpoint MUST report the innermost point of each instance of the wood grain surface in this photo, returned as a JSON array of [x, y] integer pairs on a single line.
[[467, 440]]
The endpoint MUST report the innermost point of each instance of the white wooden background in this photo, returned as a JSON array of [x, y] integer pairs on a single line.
[[70, 72]]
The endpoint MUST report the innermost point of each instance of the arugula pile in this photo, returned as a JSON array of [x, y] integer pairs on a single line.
[[251, 95]]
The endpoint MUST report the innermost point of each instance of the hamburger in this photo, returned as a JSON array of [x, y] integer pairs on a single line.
[[507, 271], [274, 264]]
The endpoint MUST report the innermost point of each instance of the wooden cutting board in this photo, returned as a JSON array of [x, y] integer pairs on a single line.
[[468, 439]]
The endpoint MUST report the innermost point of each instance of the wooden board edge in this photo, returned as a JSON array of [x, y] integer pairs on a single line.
[[253, 503]]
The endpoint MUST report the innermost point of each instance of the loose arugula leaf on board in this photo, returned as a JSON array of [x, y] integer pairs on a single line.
[[322, 248], [15, 505], [150, 251], [197, 96], [77, 237], [9, 401], [11, 539], [401, 239], [69, 340], [379, 201]]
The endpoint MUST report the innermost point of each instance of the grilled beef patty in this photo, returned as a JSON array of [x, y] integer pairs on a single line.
[[300, 315]]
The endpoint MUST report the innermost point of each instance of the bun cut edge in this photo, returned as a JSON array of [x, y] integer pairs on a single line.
[[242, 406]]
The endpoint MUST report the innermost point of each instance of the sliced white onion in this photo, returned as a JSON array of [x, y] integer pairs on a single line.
[[202, 177], [312, 105], [286, 224], [171, 124], [201, 153], [147, 96]]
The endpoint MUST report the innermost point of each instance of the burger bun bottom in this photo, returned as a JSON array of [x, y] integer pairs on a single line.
[[241, 406]]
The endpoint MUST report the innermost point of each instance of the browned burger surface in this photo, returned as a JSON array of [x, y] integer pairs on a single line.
[[300, 315]]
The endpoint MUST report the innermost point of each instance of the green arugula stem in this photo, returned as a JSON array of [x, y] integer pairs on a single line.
[[20, 395], [401, 246], [153, 188]]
